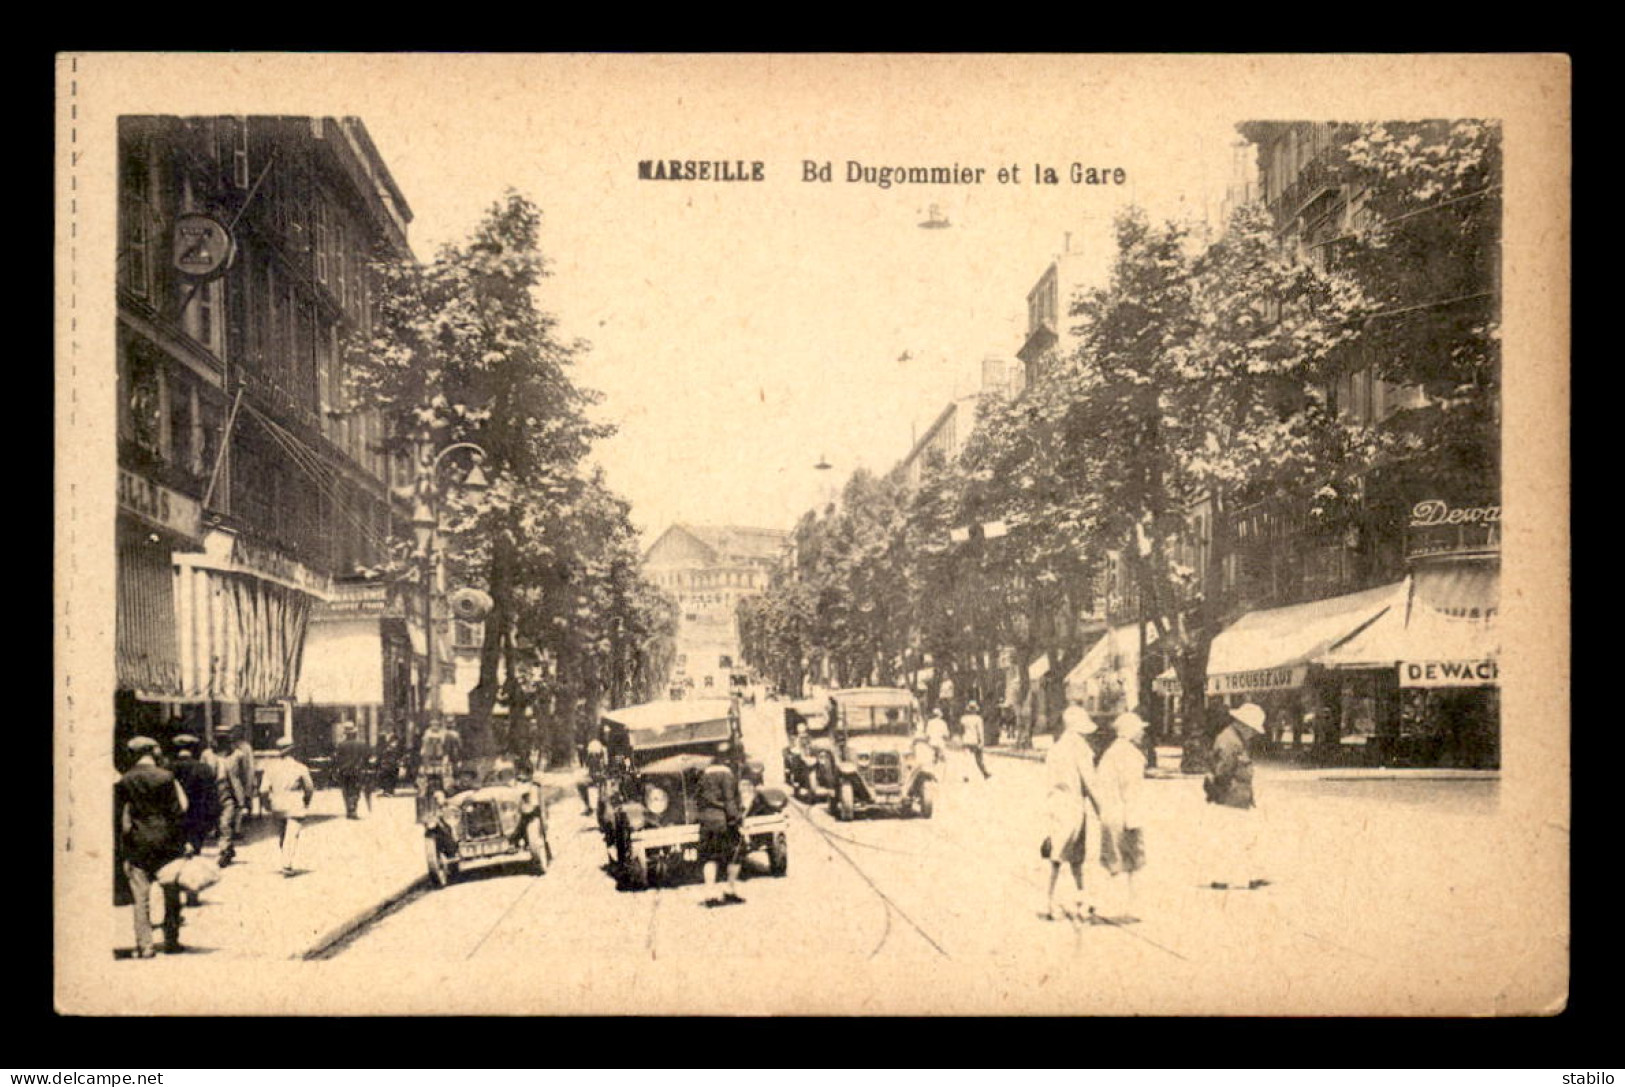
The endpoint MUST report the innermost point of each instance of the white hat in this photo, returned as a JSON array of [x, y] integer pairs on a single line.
[[1077, 719], [1250, 714], [1129, 725]]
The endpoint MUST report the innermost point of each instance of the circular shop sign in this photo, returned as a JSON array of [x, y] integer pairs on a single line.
[[203, 246]]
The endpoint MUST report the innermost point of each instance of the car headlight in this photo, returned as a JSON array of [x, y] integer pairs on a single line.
[[863, 756], [655, 799]]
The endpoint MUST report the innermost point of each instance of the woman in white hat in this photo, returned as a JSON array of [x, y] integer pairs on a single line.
[[1229, 788], [1120, 778], [1070, 768]]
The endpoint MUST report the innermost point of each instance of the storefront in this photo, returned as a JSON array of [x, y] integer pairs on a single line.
[[153, 523], [1106, 682], [242, 614], [357, 667], [1275, 658], [1436, 659]]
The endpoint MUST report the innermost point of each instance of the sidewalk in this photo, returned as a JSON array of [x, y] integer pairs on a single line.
[[348, 871], [1168, 767]]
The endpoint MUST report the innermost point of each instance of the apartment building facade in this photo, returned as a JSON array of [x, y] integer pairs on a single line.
[[255, 498]]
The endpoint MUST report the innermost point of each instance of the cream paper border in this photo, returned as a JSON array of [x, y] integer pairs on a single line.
[[1529, 94]]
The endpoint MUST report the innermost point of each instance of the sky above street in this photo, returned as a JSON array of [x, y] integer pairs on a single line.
[[741, 331]]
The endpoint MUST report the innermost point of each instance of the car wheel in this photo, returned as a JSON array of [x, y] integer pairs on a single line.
[[536, 841], [637, 869], [778, 854], [847, 803], [928, 798], [438, 876]]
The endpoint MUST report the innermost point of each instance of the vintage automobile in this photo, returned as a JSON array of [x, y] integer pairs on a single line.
[[500, 819], [880, 758], [657, 752], [809, 752]]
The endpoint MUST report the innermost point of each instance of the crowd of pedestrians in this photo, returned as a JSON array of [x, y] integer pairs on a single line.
[[1084, 779], [179, 814]]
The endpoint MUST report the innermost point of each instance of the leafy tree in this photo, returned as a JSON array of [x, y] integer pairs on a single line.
[[461, 351]]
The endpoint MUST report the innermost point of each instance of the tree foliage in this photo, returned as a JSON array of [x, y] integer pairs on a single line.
[[1201, 382], [461, 351]]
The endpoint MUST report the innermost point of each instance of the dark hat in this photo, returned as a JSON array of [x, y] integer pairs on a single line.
[[140, 745]]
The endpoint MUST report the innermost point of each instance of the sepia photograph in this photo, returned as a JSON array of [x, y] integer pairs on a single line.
[[812, 535]]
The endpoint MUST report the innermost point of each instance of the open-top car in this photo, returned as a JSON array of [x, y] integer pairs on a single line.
[[659, 750], [497, 820], [881, 758]]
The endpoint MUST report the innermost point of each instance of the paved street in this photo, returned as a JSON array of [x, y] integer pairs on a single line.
[[1374, 884]]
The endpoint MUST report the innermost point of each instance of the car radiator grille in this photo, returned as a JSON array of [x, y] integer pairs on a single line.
[[886, 768], [480, 820]]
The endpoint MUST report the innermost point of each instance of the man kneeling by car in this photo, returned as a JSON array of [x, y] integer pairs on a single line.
[[720, 817]]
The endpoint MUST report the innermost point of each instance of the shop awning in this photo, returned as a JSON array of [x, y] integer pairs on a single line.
[[1107, 678], [1272, 650], [241, 638], [344, 663], [144, 622], [1453, 645]]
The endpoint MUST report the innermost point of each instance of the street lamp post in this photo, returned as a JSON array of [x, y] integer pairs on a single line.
[[426, 528]]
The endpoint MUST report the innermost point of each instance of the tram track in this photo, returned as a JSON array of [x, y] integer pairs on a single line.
[[832, 841]]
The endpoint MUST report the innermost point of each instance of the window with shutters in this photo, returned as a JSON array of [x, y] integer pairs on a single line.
[[137, 219]]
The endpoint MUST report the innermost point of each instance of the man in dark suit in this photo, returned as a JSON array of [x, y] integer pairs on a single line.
[[351, 765], [198, 781], [151, 806]]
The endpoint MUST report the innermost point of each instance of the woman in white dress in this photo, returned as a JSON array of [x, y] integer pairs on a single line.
[[1070, 769], [1120, 779]]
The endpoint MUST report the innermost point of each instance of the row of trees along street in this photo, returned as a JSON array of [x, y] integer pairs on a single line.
[[1203, 382], [459, 351]]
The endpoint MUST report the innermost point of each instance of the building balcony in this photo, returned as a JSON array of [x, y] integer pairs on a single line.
[[1317, 181]]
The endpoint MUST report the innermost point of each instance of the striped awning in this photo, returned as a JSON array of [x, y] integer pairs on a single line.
[[146, 657], [241, 638]]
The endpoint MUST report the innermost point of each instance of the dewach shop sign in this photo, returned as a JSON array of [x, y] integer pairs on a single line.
[[1449, 673], [1438, 528]]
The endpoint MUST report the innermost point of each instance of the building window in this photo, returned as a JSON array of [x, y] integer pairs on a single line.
[[183, 452], [136, 219], [143, 404], [211, 420]]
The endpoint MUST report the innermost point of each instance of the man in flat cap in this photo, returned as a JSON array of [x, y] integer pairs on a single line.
[[151, 807], [720, 818], [198, 781]]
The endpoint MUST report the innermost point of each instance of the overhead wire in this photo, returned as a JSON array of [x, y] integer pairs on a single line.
[[329, 484]]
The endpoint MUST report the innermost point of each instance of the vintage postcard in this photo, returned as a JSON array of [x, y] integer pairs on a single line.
[[818, 534]]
